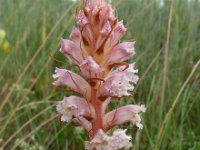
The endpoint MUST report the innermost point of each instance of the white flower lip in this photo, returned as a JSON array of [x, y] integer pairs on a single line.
[[101, 141]]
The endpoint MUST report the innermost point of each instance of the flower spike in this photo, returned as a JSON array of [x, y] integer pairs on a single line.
[[94, 46]]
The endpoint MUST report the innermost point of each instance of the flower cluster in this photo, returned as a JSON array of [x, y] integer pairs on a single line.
[[94, 46]]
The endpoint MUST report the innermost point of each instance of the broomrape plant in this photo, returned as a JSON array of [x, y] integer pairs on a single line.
[[94, 46]]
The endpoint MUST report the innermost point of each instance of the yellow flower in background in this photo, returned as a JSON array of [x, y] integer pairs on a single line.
[[2, 36], [4, 44], [6, 47]]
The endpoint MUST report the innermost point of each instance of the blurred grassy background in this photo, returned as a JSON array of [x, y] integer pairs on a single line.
[[28, 119]]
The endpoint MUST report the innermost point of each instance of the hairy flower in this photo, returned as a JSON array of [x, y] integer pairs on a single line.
[[90, 68], [71, 50], [72, 80], [115, 142], [74, 106], [119, 82], [128, 113], [94, 46], [120, 53], [117, 33], [75, 36]]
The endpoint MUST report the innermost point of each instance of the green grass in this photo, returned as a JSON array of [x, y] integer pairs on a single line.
[[28, 119]]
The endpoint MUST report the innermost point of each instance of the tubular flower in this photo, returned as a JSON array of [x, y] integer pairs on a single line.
[[124, 114], [94, 46], [118, 82], [115, 142], [72, 80], [90, 68], [120, 53], [72, 51], [74, 106]]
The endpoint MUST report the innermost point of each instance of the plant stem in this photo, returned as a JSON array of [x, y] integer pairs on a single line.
[[97, 124]]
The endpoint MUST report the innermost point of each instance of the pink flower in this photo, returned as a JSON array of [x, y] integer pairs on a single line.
[[117, 33], [81, 19], [76, 36], [115, 142], [128, 113], [72, 51], [86, 124], [72, 80], [73, 106], [86, 30], [104, 32], [118, 82], [107, 14], [90, 68], [120, 53], [95, 47]]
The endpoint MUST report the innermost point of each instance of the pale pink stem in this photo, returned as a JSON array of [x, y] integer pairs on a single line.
[[97, 123]]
